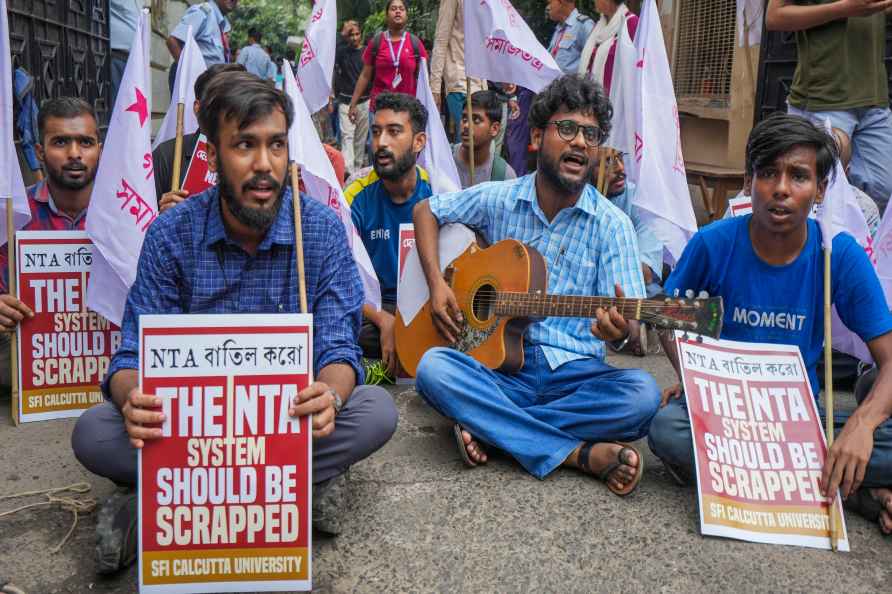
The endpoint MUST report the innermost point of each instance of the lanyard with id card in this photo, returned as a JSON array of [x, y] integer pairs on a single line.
[[395, 58]]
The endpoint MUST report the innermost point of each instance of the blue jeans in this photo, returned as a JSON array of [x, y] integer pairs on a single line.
[[671, 441], [455, 105], [117, 73], [870, 129], [539, 415]]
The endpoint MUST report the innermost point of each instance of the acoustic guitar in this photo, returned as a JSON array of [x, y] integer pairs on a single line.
[[501, 290]]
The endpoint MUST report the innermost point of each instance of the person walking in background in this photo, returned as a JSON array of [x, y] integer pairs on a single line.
[[517, 137], [841, 75], [448, 63], [570, 35], [600, 47], [254, 58], [123, 15], [210, 28], [348, 66], [390, 61]]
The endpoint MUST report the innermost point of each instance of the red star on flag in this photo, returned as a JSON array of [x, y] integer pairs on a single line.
[[140, 107]]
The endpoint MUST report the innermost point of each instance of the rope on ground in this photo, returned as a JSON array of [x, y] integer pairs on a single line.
[[77, 506]]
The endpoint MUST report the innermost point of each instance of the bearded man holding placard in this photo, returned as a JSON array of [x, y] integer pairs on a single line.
[[69, 149], [231, 250]]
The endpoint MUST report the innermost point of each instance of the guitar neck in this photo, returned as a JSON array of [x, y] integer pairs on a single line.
[[568, 306]]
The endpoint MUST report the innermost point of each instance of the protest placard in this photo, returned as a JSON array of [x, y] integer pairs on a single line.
[[407, 244], [758, 444], [198, 177], [65, 349], [225, 493], [740, 205]]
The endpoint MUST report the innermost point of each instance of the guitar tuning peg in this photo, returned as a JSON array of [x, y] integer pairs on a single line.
[[685, 336], [689, 293], [703, 295], [699, 338]]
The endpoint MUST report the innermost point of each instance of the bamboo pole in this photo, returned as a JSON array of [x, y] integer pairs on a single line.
[[828, 388], [298, 238], [470, 130], [178, 149], [14, 335], [602, 170]]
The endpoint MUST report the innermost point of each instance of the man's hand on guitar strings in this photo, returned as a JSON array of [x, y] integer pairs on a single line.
[[609, 325], [445, 312]]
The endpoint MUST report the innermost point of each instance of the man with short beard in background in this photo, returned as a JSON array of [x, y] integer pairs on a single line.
[[383, 200], [230, 250], [69, 149]]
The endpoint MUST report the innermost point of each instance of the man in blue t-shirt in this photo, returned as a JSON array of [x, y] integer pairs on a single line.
[[768, 268], [383, 200]]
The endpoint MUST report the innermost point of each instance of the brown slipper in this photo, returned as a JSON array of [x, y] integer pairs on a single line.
[[621, 458], [462, 448]]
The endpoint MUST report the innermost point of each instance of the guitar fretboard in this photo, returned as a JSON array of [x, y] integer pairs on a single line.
[[573, 306]]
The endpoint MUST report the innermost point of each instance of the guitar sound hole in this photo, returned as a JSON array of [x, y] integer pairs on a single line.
[[484, 303]]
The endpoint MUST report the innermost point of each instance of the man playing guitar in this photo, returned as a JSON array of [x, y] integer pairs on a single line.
[[565, 406]]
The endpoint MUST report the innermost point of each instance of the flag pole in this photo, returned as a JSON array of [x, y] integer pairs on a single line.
[[298, 238], [14, 335], [470, 129], [602, 169], [178, 149], [828, 385]]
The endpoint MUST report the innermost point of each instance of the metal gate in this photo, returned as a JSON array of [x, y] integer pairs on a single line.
[[64, 45]]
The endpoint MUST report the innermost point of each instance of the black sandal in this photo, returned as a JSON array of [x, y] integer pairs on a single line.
[[463, 449], [621, 458]]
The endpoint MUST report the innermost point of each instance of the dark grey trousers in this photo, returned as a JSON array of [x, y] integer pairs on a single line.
[[366, 423]]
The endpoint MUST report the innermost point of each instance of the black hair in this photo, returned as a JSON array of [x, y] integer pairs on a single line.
[[64, 108], [572, 93], [243, 97], [400, 102], [205, 77], [780, 133], [255, 34], [387, 7], [489, 102]]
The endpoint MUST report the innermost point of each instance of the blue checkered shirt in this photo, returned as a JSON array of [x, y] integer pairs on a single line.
[[587, 248], [188, 264]]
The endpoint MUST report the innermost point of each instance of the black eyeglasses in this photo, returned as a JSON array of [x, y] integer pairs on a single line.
[[568, 129]]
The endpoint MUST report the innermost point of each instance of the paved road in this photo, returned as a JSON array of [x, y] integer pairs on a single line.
[[419, 521]]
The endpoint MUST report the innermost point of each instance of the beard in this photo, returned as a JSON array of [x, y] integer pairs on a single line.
[[398, 166], [260, 219], [59, 176], [550, 170]]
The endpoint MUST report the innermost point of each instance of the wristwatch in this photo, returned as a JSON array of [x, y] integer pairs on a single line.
[[338, 402], [618, 346]]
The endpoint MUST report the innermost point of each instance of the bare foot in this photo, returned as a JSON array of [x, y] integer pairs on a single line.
[[603, 455], [475, 451], [884, 496]]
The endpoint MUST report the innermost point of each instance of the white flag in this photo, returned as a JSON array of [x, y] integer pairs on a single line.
[[123, 203], [436, 156], [317, 57], [318, 175], [839, 210], [11, 184], [189, 67], [624, 98], [500, 47], [658, 168]]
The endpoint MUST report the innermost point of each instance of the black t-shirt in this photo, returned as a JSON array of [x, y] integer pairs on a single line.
[[348, 66], [162, 160]]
